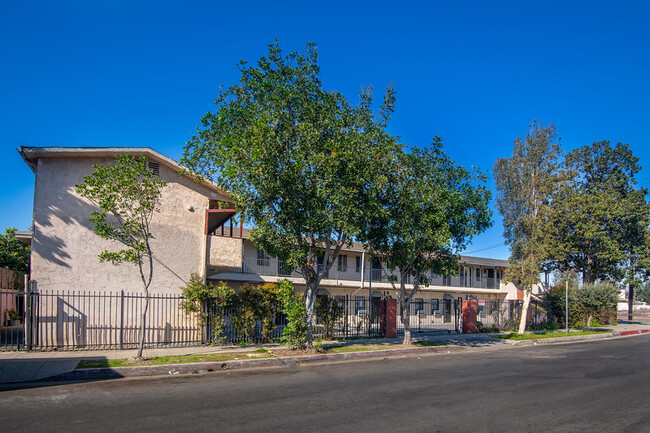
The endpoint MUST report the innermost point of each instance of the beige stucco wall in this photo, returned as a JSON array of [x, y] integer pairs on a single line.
[[225, 253], [65, 249]]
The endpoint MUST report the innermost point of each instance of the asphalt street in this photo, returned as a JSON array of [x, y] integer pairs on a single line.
[[601, 386]]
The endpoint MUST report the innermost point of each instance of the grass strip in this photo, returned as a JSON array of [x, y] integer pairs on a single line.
[[162, 360], [555, 334]]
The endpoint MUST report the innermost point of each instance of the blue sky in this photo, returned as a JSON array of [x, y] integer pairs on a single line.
[[142, 73]]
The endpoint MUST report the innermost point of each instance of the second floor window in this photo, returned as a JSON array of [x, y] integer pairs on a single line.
[[343, 263], [358, 265], [262, 258]]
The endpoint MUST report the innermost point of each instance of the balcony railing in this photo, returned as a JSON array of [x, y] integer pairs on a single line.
[[277, 268]]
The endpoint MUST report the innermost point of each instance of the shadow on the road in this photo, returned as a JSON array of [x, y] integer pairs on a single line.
[[20, 373]]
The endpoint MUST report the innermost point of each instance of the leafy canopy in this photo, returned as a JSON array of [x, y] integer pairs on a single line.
[[432, 209], [299, 160], [525, 185], [601, 218], [14, 253]]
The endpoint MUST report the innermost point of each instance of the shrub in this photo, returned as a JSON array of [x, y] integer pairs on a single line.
[[556, 303], [199, 296], [598, 300], [328, 311], [295, 333], [253, 304]]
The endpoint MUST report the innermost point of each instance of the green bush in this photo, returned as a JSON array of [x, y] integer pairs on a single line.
[[253, 304], [556, 303], [295, 332], [328, 311], [598, 301], [199, 296], [591, 301]]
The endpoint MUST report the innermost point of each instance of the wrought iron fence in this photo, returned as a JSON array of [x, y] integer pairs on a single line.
[[504, 315], [67, 320], [335, 317], [430, 315]]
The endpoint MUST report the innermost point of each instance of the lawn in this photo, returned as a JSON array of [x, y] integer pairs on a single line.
[[163, 360]]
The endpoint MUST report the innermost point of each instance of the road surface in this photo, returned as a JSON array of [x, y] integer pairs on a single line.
[[601, 386]]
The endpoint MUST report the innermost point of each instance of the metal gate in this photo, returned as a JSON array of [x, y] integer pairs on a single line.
[[432, 315], [13, 319]]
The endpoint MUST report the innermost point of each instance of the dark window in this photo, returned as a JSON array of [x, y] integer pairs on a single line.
[[435, 305], [418, 305], [262, 258], [358, 266], [320, 266], [343, 263], [360, 305], [155, 167]]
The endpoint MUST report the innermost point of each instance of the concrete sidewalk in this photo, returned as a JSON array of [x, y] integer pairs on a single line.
[[33, 366]]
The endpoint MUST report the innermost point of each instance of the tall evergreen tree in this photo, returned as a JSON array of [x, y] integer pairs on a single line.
[[525, 185]]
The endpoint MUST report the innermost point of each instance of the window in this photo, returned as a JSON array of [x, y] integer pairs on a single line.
[[435, 305], [343, 263], [375, 269], [418, 306], [262, 258], [446, 281], [320, 266], [360, 305], [155, 167], [358, 265]]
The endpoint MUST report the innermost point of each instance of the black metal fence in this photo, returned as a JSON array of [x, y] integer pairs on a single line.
[[95, 320], [431, 315], [335, 317], [504, 315], [12, 307], [111, 320]]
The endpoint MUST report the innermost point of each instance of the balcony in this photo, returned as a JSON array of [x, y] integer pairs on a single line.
[[224, 254], [272, 267]]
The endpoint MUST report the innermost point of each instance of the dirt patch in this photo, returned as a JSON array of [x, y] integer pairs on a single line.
[[294, 352]]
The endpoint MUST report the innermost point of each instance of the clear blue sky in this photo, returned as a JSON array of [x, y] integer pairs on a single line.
[[141, 73]]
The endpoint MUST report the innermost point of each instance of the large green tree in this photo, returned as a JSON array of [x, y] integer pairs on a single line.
[[431, 210], [601, 218], [298, 159], [14, 253], [127, 194], [525, 185]]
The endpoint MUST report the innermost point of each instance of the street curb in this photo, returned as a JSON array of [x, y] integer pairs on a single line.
[[577, 338], [201, 367]]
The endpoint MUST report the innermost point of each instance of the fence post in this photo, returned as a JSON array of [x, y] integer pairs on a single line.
[[121, 319], [28, 315], [206, 323]]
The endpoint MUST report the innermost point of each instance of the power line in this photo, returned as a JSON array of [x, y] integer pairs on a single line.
[[484, 249]]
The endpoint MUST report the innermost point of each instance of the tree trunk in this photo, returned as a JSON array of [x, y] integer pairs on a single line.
[[310, 298], [591, 316], [524, 312], [406, 321], [630, 303], [143, 321]]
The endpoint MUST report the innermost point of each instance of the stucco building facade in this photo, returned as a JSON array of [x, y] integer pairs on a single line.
[[194, 233]]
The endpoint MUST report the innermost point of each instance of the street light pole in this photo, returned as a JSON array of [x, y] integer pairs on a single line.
[[566, 309]]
